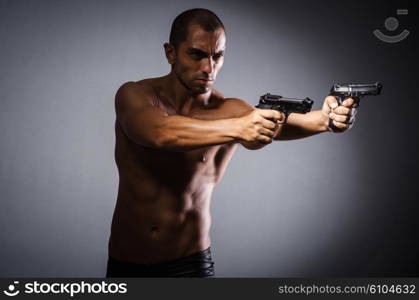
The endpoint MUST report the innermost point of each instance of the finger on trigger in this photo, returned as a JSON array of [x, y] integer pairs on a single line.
[[269, 113], [278, 115], [282, 118], [348, 102]]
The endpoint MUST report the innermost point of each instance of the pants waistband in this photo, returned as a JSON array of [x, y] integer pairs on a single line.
[[199, 264]]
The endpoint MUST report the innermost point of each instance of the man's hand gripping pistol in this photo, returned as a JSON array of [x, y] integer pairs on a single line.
[[356, 92]]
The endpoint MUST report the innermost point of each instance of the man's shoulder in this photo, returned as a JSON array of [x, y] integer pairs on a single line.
[[141, 86], [136, 91]]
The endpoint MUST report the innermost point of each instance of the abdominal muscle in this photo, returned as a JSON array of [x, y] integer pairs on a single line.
[[150, 230]]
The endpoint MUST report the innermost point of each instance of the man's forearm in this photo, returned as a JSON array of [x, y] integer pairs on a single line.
[[178, 133], [303, 125]]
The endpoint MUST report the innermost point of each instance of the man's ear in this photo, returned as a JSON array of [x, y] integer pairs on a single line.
[[170, 53]]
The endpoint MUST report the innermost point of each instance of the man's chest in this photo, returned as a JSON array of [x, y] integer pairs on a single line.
[[215, 110]]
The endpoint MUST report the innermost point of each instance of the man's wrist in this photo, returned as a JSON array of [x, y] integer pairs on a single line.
[[234, 129], [324, 122]]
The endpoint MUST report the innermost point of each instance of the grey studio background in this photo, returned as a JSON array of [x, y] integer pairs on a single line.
[[329, 205]]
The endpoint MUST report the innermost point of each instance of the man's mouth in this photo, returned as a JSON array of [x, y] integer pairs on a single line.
[[204, 80]]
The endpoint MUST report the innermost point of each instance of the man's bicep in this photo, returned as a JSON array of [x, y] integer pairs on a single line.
[[138, 118]]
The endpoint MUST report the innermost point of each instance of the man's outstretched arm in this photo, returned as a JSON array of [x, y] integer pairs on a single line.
[[304, 125], [152, 127]]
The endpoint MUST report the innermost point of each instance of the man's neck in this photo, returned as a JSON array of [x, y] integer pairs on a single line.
[[181, 98]]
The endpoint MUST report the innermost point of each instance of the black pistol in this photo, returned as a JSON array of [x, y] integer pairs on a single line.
[[285, 105], [355, 91]]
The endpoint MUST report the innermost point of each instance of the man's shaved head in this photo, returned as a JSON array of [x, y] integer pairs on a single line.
[[201, 16]]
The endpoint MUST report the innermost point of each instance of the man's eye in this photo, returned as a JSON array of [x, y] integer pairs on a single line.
[[197, 55], [217, 56]]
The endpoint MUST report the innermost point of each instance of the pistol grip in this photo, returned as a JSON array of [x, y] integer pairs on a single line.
[[340, 100]]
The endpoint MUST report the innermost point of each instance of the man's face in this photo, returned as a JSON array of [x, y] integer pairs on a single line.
[[199, 58]]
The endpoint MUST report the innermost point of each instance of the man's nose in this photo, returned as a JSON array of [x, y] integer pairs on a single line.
[[208, 65]]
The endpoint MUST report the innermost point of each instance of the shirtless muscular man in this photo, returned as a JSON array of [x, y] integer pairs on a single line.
[[175, 136]]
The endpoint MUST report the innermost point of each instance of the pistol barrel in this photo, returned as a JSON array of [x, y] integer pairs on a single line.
[[356, 90], [286, 105]]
